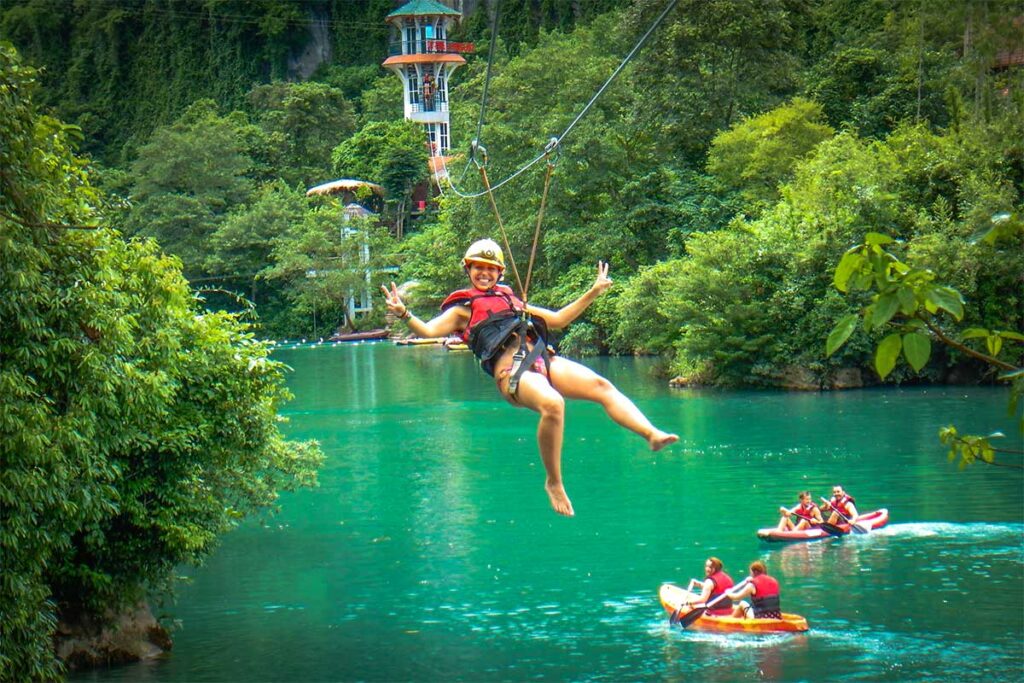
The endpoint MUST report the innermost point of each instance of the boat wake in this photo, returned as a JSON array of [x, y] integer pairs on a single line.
[[954, 530]]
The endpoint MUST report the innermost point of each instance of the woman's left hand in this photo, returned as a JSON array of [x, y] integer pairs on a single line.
[[603, 282]]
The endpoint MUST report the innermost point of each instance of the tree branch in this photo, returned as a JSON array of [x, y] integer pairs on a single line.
[[991, 360]]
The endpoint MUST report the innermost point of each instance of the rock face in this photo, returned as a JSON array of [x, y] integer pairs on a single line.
[[847, 378], [794, 377], [799, 378], [317, 49], [130, 636]]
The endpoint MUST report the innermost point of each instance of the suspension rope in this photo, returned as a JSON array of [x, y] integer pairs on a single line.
[[501, 224], [552, 146]]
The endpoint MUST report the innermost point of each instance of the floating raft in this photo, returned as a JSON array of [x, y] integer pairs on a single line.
[[422, 341], [359, 336]]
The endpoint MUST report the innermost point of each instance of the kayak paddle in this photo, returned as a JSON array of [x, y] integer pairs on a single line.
[[697, 612], [856, 527], [830, 529]]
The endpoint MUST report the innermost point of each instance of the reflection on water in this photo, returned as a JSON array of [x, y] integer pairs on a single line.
[[429, 551]]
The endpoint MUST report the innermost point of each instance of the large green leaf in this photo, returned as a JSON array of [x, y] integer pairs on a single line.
[[994, 344], [947, 299], [887, 353], [877, 239], [885, 309], [850, 263], [840, 333], [917, 348], [908, 302]]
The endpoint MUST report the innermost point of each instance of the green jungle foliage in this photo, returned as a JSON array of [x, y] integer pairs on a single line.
[[726, 171], [135, 427], [695, 141]]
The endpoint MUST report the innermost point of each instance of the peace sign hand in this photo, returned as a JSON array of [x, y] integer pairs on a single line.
[[603, 282], [394, 300]]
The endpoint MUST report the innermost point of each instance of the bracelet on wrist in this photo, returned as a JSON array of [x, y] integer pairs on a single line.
[[406, 315]]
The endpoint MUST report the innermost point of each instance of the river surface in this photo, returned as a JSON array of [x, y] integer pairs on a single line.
[[429, 551]]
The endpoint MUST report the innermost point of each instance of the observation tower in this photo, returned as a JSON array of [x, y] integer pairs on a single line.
[[423, 57]]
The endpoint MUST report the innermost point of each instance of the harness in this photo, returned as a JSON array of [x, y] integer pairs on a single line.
[[496, 317]]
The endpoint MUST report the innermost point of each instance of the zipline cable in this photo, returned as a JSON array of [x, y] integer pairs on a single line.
[[622, 65], [643, 39]]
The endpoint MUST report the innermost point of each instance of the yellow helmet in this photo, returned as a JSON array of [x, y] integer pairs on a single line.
[[484, 251]]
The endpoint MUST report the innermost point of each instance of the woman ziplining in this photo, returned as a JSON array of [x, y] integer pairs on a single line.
[[510, 339]]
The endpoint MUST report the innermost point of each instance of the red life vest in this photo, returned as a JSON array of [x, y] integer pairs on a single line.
[[842, 504], [723, 582], [807, 510], [495, 319], [483, 304], [765, 600]]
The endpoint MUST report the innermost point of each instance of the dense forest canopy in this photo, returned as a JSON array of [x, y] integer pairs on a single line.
[[723, 174], [211, 118]]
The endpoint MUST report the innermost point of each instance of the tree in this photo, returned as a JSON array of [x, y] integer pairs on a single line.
[[758, 154], [392, 154], [135, 427], [914, 309], [303, 122], [323, 260], [188, 177], [242, 246], [713, 63]]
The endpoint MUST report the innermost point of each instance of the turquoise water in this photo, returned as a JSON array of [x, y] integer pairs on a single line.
[[429, 551]]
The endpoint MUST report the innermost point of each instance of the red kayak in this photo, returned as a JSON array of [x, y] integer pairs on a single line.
[[870, 521]]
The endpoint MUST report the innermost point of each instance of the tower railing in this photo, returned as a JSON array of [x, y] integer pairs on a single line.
[[425, 47]]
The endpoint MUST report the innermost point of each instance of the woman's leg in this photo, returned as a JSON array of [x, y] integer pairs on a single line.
[[539, 396], [573, 380]]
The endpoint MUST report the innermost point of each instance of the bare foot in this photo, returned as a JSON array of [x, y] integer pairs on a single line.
[[660, 439], [559, 501]]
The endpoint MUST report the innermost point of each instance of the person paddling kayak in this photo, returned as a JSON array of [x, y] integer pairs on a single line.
[[841, 505], [763, 592], [510, 339], [716, 584], [806, 512]]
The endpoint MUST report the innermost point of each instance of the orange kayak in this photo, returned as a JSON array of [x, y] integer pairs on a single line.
[[672, 596]]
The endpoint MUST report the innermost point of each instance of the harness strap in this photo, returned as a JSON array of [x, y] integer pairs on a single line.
[[523, 361]]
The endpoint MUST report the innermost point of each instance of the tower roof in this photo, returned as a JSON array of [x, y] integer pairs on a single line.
[[423, 7]]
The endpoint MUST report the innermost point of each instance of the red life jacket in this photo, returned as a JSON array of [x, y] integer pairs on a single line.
[[483, 304], [842, 505], [765, 600], [807, 510], [723, 582], [496, 318]]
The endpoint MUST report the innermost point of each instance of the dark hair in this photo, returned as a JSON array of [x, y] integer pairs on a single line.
[[716, 563], [804, 494], [757, 567]]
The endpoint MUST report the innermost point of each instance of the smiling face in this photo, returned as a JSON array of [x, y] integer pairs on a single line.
[[483, 276], [837, 491]]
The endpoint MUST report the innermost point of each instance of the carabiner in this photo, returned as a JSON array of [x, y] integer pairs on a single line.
[[554, 147], [476, 148]]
